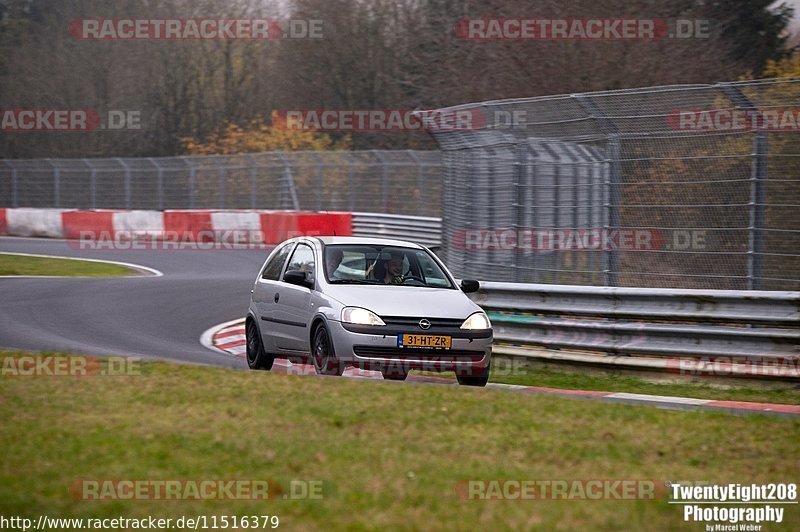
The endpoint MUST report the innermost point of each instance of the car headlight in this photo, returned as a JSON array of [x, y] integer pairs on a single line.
[[360, 316], [477, 322]]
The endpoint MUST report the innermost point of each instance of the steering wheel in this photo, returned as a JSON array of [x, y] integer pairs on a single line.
[[410, 277]]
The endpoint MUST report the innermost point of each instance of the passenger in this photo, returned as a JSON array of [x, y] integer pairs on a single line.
[[333, 259]]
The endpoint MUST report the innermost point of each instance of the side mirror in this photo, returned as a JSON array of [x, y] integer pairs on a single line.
[[469, 286], [299, 278]]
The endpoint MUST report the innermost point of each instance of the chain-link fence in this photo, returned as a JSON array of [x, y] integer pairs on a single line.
[[397, 182], [682, 186]]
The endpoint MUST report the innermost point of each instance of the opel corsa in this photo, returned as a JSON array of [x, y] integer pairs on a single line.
[[371, 303]]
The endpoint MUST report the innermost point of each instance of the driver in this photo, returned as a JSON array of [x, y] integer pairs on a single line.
[[394, 268]]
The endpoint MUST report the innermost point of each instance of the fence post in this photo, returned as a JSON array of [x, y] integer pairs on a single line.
[[758, 183], [319, 181], [56, 183], [192, 180], [221, 174], [92, 184], [159, 183], [613, 205], [420, 180], [289, 180], [534, 218], [384, 180], [518, 205], [13, 182], [127, 182], [253, 181], [351, 178]]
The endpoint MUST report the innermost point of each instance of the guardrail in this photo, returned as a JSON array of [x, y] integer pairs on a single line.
[[422, 230], [750, 327]]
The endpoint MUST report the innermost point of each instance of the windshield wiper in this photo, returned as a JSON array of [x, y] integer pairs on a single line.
[[353, 281]]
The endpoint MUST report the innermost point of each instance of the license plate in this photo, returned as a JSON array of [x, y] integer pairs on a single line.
[[424, 340]]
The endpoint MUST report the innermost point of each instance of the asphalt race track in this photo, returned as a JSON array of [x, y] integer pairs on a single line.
[[148, 317]]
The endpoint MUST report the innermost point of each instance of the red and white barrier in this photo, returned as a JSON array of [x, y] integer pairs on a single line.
[[267, 227]]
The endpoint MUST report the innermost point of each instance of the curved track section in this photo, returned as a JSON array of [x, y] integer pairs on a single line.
[[150, 317]]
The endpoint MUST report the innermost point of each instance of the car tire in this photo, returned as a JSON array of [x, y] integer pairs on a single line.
[[257, 358], [478, 380], [323, 354]]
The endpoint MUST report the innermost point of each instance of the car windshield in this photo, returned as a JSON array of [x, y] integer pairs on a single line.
[[383, 265]]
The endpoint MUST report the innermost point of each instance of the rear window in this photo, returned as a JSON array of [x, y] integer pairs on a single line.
[[272, 271]]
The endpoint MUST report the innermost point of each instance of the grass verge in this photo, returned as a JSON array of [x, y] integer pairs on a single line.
[[517, 371], [41, 266], [389, 454]]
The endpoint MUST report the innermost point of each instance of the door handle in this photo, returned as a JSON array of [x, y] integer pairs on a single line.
[[277, 297]]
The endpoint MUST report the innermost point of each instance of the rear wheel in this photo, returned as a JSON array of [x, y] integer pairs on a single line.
[[323, 354], [479, 378], [257, 358]]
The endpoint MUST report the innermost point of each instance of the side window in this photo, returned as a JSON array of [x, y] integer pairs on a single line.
[[434, 276], [302, 259], [272, 271]]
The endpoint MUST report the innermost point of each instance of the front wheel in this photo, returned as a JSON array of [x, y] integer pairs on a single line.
[[323, 355], [479, 379], [257, 358]]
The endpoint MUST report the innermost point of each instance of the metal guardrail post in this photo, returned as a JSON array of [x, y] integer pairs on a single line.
[[758, 183], [127, 182]]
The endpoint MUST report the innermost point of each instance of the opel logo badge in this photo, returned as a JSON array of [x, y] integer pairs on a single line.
[[424, 324]]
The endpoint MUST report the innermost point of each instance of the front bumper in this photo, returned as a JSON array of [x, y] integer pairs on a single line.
[[470, 353]]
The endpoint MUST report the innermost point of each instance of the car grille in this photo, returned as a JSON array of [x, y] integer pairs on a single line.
[[414, 322], [444, 355]]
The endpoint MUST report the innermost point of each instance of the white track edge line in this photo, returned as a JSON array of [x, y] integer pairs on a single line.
[[152, 271]]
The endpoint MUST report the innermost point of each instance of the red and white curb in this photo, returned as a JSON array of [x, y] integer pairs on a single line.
[[229, 338], [272, 227]]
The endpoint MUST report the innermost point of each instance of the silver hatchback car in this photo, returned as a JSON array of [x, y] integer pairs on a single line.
[[372, 303]]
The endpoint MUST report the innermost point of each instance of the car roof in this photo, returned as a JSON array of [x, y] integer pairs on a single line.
[[333, 240]]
